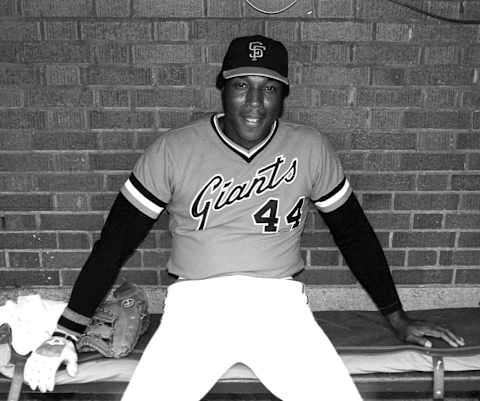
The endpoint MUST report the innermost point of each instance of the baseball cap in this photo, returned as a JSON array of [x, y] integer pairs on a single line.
[[256, 55]]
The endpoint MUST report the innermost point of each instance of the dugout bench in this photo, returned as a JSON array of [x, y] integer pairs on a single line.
[[381, 365]]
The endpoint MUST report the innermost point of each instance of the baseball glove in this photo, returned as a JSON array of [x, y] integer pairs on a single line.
[[117, 325]]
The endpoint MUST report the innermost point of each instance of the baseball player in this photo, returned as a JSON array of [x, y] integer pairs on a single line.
[[237, 187]]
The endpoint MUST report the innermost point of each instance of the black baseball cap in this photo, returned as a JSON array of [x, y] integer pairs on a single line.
[[256, 55]]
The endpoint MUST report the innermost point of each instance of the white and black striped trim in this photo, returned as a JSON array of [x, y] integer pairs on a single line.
[[64, 334], [335, 198], [76, 317], [73, 322], [141, 198], [247, 154]]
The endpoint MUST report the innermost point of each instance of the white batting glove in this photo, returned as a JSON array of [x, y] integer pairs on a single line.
[[42, 365]]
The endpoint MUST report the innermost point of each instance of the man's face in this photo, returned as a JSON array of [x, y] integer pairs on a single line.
[[251, 104]]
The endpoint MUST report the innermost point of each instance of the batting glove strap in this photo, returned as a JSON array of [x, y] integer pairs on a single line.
[[67, 336]]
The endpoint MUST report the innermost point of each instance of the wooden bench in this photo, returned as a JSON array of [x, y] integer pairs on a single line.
[[369, 349]]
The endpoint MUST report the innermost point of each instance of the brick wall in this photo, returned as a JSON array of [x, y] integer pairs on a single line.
[[85, 86]]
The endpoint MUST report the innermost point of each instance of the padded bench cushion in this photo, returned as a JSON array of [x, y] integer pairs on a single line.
[[363, 339]]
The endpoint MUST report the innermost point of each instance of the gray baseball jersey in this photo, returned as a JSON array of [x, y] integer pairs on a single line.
[[232, 210]]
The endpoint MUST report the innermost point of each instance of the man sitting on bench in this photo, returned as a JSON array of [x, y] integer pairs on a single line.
[[236, 187]]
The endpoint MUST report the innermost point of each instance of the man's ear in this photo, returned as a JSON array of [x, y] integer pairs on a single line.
[[282, 106], [220, 81]]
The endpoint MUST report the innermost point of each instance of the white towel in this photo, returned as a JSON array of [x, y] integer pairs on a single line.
[[32, 320]]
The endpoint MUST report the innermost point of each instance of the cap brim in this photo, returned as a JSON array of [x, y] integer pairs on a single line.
[[263, 72]]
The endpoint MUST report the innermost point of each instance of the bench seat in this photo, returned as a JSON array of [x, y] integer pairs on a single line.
[[379, 363]]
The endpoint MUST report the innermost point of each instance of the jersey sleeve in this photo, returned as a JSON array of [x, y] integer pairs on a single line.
[[331, 188], [149, 187]]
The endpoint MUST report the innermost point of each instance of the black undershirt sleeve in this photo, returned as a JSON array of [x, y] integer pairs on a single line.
[[124, 229], [363, 253]]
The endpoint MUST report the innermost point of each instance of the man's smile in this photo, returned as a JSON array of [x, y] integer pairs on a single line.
[[252, 121]]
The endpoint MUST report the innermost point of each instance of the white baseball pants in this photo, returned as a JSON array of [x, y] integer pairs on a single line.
[[209, 325]]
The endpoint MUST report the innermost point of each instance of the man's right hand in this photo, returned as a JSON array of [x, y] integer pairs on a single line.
[[42, 365]]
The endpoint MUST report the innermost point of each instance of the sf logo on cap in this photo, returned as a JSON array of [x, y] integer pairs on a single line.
[[256, 50]]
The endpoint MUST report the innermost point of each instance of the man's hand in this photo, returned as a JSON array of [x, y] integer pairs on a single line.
[[42, 365], [417, 331]]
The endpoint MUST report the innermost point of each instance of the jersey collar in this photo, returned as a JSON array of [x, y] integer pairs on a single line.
[[247, 154]]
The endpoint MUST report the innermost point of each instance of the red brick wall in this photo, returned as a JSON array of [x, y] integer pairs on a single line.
[[85, 85]]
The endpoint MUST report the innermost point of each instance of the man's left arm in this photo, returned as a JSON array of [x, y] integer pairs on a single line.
[[364, 255]]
